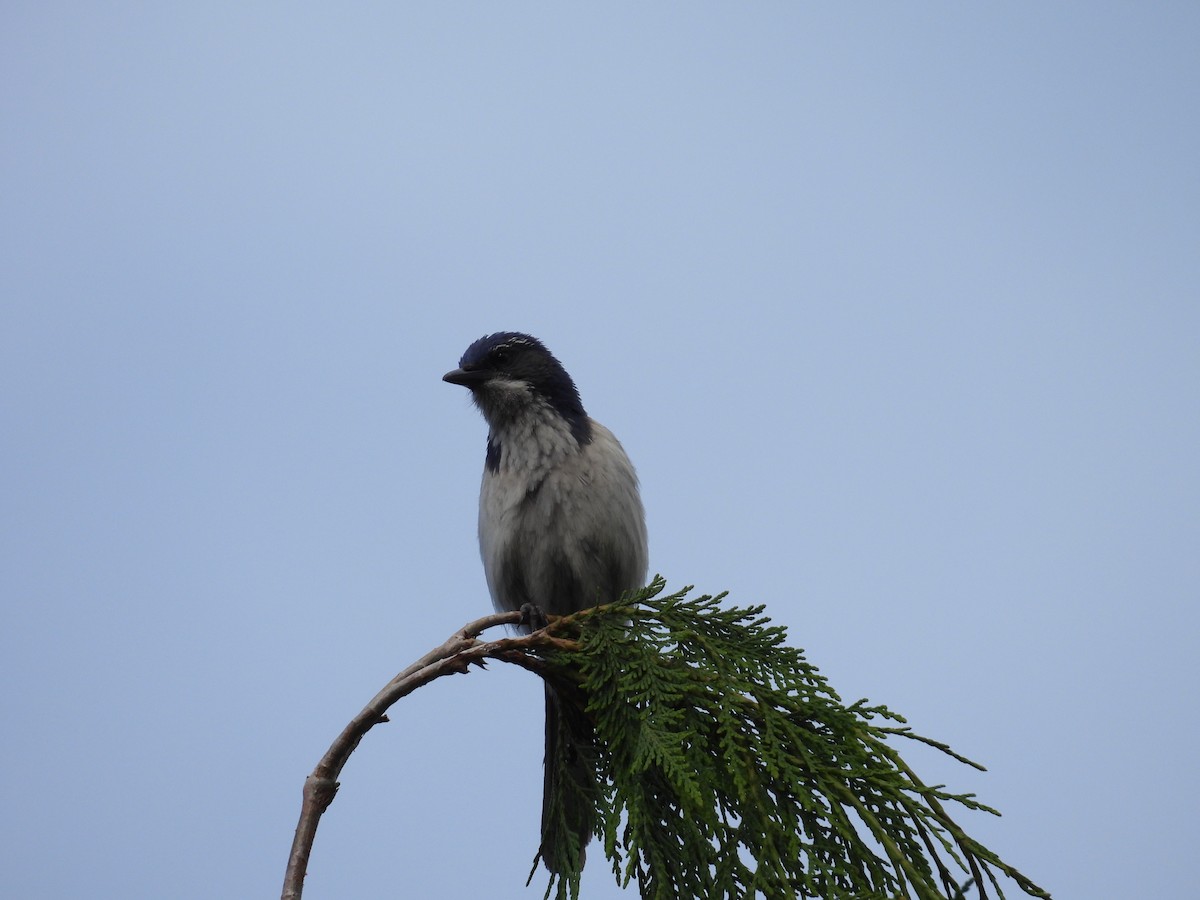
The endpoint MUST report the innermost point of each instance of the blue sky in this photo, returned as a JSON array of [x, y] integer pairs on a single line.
[[896, 309]]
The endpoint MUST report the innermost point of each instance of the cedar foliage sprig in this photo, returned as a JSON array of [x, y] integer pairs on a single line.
[[728, 767]]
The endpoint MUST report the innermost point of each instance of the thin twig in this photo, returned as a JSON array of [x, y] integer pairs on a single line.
[[455, 655]]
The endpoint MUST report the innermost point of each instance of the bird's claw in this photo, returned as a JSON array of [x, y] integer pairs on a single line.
[[532, 617]]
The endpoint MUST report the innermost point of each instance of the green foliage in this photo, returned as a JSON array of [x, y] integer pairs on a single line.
[[729, 768]]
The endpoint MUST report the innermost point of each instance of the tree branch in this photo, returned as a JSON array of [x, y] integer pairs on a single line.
[[456, 655], [704, 716]]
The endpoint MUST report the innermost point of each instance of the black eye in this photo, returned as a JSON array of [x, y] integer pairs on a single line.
[[500, 356]]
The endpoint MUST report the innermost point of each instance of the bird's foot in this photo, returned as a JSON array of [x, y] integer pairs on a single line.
[[532, 617]]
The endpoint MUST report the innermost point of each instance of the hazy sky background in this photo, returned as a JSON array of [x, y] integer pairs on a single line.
[[896, 309]]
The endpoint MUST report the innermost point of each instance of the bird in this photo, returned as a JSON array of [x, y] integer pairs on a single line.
[[561, 528]]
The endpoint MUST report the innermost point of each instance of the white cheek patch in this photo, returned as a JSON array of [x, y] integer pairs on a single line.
[[502, 397], [508, 386]]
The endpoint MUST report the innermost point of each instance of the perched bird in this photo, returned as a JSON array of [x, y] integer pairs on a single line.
[[561, 528]]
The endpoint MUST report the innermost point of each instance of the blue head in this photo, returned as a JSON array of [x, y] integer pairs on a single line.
[[508, 370]]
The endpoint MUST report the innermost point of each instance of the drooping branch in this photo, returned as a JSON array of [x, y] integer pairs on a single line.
[[456, 655], [704, 717]]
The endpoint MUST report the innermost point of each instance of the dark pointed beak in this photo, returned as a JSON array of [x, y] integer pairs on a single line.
[[466, 377]]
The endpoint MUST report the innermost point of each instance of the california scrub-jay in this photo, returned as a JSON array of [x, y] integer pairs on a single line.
[[561, 528]]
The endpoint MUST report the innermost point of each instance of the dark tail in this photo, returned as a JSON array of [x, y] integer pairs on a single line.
[[570, 793]]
